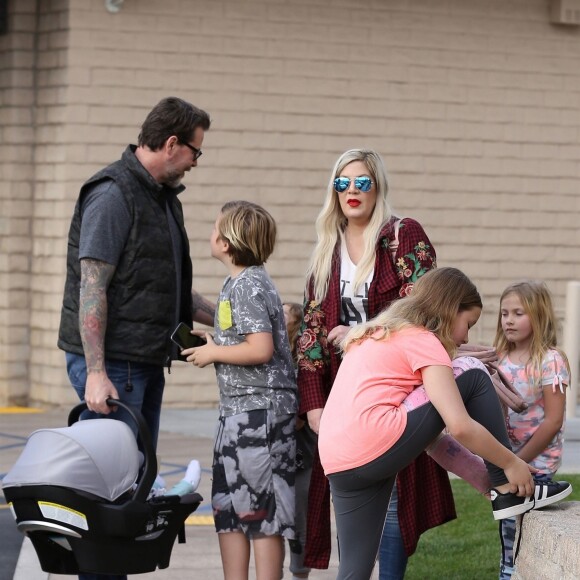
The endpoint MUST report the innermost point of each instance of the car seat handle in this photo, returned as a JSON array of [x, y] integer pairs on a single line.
[[149, 473]]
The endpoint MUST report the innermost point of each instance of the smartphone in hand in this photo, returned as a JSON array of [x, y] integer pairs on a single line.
[[183, 338]]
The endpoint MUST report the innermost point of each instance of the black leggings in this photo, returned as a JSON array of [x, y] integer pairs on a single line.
[[361, 495]]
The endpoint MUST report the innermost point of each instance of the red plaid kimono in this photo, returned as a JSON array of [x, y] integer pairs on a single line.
[[425, 496]]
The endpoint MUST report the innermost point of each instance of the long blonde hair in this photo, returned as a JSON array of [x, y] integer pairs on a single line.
[[331, 222], [537, 304], [436, 299]]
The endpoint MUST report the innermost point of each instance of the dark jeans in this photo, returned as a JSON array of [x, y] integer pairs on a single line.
[[392, 556], [306, 441], [361, 495], [146, 394]]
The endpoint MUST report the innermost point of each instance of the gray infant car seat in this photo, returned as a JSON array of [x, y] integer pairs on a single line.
[[80, 494]]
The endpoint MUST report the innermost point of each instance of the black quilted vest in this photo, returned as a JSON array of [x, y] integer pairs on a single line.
[[141, 296]]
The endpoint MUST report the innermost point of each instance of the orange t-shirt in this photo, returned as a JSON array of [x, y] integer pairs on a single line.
[[363, 416]]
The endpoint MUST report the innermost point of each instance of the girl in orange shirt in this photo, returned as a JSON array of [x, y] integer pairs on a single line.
[[367, 434]]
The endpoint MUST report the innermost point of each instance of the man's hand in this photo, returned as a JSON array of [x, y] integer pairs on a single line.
[[97, 390]]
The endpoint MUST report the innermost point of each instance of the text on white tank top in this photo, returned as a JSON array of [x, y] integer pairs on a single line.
[[353, 305]]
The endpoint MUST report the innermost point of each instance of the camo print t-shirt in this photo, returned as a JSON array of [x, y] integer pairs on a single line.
[[249, 303]]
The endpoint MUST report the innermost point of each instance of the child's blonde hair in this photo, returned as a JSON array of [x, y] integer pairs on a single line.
[[250, 232], [537, 304], [436, 299]]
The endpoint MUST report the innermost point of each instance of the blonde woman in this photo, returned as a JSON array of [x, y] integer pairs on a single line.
[[365, 259]]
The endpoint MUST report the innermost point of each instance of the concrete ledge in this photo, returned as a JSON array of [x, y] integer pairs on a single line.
[[550, 546]]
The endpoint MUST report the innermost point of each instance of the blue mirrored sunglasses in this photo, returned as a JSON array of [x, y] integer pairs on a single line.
[[362, 183]]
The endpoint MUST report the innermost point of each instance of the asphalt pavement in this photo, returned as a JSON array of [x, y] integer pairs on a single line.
[[185, 434]]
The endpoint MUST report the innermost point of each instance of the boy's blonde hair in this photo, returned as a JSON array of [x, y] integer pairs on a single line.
[[434, 303], [331, 222], [537, 304], [250, 232]]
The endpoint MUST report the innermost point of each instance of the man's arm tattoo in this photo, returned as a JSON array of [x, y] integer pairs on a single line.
[[202, 305], [95, 279]]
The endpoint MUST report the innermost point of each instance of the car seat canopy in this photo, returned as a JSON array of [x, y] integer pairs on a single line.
[[99, 457]]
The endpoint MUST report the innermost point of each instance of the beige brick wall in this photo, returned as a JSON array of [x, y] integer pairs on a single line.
[[473, 104], [55, 158], [16, 192]]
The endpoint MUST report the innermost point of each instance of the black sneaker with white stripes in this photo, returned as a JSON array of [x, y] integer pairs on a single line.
[[549, 492], [508, 505]]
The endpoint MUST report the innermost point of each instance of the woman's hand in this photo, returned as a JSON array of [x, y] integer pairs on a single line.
[[201, 356], [337, 334], [314, 419]]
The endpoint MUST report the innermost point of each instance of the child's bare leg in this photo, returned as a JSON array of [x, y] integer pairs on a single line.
[[268, 557], [235, 553]]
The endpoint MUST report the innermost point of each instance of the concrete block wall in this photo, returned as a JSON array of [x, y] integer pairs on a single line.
[[472, 103], [550, 541], [55, 155], [17, 59]]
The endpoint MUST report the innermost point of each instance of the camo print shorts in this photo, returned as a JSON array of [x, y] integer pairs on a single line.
[[253, 474]]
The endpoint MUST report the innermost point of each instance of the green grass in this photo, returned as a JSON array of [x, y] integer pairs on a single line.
[[468, 547]]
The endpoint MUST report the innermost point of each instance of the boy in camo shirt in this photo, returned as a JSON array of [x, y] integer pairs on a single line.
[[254, 453]]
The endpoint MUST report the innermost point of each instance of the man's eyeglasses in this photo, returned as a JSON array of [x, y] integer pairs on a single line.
[[362, 183], [197, 153]]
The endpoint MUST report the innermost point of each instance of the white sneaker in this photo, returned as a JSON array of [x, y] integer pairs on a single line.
[[193, 473]]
